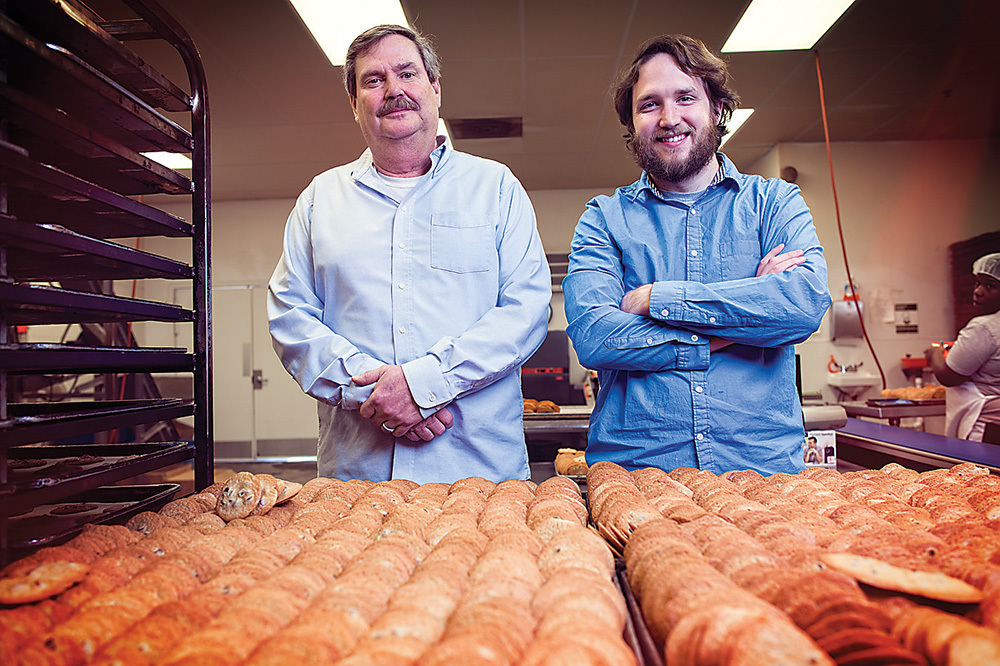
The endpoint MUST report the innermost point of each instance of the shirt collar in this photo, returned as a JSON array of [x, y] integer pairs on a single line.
[[727, 171], [439, 157]]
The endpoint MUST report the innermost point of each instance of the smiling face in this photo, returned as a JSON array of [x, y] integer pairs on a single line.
[[986, 295], [396, 100], [676, 134]]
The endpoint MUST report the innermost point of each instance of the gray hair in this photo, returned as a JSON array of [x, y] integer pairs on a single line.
[[369, 38]]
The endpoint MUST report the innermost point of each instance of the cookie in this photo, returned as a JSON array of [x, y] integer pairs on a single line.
[[27, 463], [270, 489], [288, 491], [85, 459], [929, 584], [240, 494], [64, 468], [148, 521], [41, 582], [69, 509]]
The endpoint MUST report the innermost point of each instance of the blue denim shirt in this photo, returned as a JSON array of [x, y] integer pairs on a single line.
[[665, 400], [448, 280]]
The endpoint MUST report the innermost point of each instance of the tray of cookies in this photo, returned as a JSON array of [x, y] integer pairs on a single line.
[[54, 523], [821, 567], [572, 463], [932, 394], [344, 571], [546, 409], [43, 474]]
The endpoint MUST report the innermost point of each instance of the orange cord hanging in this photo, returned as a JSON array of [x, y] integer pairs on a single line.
[[840, 228]]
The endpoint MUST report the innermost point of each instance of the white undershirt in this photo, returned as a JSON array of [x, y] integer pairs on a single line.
[[401, 186]]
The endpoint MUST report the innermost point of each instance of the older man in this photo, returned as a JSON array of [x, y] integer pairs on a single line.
[[412, 287], [687, 289]]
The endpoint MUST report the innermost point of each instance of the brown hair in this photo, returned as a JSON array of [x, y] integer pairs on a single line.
[[366, 40], [695, 60]]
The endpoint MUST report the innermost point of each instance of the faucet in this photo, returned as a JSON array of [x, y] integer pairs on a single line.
[[833, 366]]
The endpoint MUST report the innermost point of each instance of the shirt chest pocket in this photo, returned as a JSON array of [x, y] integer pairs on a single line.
[[740, 258], [462, 242]]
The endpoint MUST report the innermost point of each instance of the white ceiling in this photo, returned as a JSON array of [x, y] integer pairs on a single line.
[[892, 70]]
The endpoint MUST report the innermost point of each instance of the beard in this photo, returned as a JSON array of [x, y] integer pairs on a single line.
[[677, 169]]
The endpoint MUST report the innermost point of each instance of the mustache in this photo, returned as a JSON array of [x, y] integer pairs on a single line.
[[396, 104]]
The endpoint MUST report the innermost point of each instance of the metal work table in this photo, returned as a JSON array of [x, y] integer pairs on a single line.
[[546, 433], [872, 445], [897, 411], [575, 419], [572, 419]]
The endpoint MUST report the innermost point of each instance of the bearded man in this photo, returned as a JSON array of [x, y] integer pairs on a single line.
[[688, 289]]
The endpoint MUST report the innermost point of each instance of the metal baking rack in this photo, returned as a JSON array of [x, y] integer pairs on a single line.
[[78, 110], [43, 194], [46, 525]]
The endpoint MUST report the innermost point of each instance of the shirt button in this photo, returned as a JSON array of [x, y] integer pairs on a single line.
[[401, 285], [711, 319], [432, 396], [700, 437], [664, 312], [402, 329], [402, 245], [699, 389], [694, 338], [694, 253], [649, 341]]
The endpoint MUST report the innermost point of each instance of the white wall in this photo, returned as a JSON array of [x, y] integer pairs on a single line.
[[901, 205]]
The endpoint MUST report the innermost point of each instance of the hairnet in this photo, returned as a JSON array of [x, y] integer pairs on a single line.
[[987, 265]]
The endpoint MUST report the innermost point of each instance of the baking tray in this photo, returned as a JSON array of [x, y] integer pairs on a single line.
[[636, 632], [40, 421], [48, 524], [23, 358], [568, 412], [899, 402], [46, 474]]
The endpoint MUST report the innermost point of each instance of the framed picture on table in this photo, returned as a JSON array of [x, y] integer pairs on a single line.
[[819, 448]]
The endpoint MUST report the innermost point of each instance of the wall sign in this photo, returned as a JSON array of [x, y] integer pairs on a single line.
[[906, 317]]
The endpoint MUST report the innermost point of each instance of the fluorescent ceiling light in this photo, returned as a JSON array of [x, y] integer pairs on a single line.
[[784, 25], [335, 23], [740, 116], [170, 160]]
